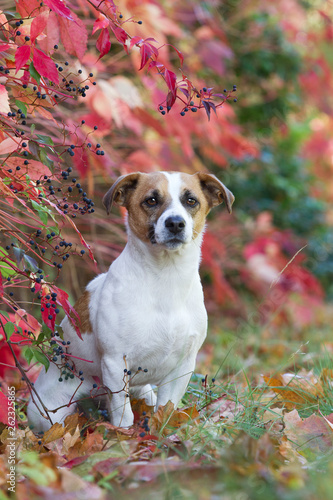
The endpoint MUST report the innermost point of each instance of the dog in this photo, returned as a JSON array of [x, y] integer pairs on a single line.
[[144, 320]]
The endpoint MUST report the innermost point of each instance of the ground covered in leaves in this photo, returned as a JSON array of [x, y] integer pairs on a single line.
[[244, 431]]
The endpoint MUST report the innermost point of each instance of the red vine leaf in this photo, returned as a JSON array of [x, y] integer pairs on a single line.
[[74, 36], [38, 25], [170, 79], [147, 50], [100, 23], [60, 8], [103, 43], [45, 66], [21, 56]]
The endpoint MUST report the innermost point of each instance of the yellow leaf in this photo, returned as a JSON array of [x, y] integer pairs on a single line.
[[55, 432]]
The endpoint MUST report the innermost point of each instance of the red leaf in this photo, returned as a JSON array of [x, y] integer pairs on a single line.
[[21, 56], [48, 313], [180, 55], [103, 43], [52, 34], [26, 7], [170, 79], [45, 66], [60, 8], [135, 40], [185, 92], [100, 23], [38, 25], [171, 98], [1, 286], [74, 36], [120, 34], [62, 299], [147, 51]]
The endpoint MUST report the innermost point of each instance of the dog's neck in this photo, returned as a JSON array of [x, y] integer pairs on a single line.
[[156, 260]]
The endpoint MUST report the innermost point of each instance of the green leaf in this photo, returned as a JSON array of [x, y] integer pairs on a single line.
[[34, 73], [41, 358], [34, 148], [32, 128], [9, 329], [22, 106], [44, 139], [56, 230], [5, 314], [43, 212], [46, 333], [45, 159], [6, 270], [28, 353]]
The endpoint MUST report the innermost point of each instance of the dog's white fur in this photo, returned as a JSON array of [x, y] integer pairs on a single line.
[[147, 311]]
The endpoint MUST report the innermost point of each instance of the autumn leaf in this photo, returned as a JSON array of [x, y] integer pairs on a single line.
[[294, 391], [147, 50], [120, 34], [74, 35], [45, 66], [55, 432], [38, 25], [52, 34], [103, 43], [100, 23], [60, 8], [22, 55], [170, 79], [7, 145], [139, 406], [310, 436]]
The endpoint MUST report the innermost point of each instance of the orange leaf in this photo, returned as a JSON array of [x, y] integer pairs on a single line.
[[292, 394], [55, 432]]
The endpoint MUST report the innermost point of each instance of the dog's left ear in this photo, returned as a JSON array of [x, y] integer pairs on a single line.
[[120, 190], [215, 191]]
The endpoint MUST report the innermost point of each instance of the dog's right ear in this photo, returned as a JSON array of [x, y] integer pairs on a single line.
[[119, 192]]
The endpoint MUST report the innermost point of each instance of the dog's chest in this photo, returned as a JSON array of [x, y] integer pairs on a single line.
[[154, 322]]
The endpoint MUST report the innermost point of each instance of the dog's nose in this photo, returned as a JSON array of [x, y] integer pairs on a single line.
[[175, 224]]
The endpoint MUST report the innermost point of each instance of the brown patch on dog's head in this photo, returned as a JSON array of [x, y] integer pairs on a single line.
[[192, 188], [132, 191], [82, 308], [142, 217], [215, 191], [119, 191]]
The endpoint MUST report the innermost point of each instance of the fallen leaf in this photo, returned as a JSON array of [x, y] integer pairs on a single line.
[[308, 437], [69, 440], [55, 432]]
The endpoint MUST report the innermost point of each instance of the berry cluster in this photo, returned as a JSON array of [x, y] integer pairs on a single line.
[[144, 425], [205, 99]]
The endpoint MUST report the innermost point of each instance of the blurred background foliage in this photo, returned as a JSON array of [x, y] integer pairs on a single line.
[[272, 148]]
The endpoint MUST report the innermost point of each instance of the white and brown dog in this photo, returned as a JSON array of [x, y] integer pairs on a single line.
[[144, 320]]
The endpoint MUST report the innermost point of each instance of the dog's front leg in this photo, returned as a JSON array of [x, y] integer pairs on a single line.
[[118, 402], [173, 387]]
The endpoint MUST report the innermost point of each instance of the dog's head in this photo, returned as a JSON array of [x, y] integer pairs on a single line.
[[168, 208]]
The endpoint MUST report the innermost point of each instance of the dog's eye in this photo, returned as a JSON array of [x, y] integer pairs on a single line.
[[191, 202], [151, 202]]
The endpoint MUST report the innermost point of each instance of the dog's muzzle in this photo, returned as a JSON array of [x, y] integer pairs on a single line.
[[175, 225]]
